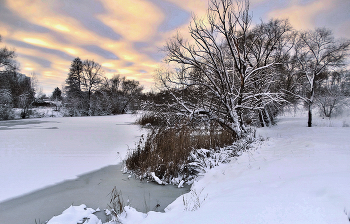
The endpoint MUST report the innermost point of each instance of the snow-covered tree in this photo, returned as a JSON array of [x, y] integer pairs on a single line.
[[84, 78], [226, 68], [121, 93], [332, 92], [5, 104], [75, 98], [317, 52]]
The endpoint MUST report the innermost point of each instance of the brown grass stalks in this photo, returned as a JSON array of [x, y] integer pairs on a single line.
[[166, 151], [116, 203]]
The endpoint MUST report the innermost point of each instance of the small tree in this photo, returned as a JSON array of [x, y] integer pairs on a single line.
[[131, 91], [57, 97], [27, 96], [91, 76], [331, 93], [56, 94], [121, 93]]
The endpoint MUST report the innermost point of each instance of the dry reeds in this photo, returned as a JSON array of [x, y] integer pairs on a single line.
[[166, 150], [116, 203]]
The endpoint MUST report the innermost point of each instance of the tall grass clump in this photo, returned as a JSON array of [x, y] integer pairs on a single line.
[[167, 152], [158, 119], [151, 119]]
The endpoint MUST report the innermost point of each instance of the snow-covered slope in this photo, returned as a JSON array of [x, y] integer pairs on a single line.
[[300, 175]]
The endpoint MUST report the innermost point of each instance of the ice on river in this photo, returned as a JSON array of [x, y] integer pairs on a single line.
[[35, 153]]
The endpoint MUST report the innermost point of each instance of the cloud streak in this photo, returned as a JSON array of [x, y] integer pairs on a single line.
[[125, 37], [301, 15]]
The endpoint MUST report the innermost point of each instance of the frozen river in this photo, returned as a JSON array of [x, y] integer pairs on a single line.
[[48, 164], [35, 153]]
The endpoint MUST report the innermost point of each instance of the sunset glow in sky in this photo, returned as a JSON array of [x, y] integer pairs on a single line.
[[126, 36]]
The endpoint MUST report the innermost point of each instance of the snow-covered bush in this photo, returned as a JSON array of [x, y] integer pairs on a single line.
[[204, 159], [5, 104], [178, 154]]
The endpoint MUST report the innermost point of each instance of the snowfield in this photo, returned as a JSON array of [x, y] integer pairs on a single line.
[[300, 175]]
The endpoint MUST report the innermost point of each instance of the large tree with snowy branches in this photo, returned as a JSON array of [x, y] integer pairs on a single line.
[[227, 68]]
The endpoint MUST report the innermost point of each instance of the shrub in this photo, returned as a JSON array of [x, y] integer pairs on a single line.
[[6, 112]]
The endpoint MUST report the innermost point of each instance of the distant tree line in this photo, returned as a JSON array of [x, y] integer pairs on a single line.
[[88, 92]]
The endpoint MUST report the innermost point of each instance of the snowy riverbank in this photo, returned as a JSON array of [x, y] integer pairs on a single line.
[[92, 189], [300, 175]]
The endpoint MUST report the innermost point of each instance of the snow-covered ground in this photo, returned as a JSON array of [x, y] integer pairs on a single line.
[[35, 153], [300, 175]]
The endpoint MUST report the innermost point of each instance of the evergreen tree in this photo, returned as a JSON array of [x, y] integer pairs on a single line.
[[73, 82], [75, 96]]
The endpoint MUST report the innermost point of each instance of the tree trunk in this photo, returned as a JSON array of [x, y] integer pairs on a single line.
[[261, 118], [309, 121], [239, 103], [269, 120]]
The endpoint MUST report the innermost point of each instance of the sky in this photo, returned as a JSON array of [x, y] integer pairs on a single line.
[[127, 36]]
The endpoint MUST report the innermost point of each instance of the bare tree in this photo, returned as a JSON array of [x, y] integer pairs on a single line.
[[317, 52], [131, 91], [92, 75], [269, 45], [122, 93], [224, 62], [27, 96]]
